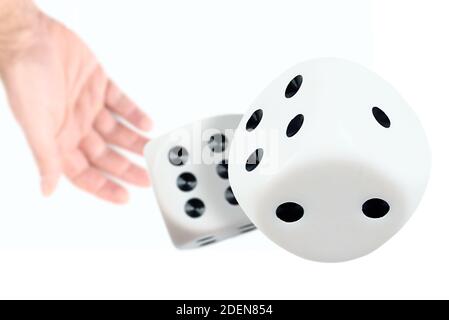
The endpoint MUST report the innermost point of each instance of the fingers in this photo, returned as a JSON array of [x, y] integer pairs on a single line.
[[116, 133], [120, 104], [90, 179], [111, 162], [90, 100]]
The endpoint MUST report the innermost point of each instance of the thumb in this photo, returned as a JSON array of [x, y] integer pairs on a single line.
[[46, 154], [37, 124]]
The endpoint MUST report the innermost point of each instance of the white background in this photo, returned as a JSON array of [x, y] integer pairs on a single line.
[[185, 60]]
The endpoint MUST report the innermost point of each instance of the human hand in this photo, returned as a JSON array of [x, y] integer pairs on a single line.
[[68, 110]]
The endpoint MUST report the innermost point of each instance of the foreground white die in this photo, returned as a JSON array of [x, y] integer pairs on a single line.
[[330, 161], [188, 168]]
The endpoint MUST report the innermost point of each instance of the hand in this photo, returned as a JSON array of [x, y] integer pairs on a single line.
[[68, 110]]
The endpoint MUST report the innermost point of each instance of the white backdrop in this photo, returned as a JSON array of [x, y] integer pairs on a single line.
[[185, 60]]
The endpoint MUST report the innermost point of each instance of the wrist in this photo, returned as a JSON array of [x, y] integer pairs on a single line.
[[19, 25]]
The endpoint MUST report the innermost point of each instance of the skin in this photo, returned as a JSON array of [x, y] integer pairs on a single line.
[[71, 113]]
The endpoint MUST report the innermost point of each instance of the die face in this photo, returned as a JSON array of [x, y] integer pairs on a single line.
[[341, 149], [317, 212], [188, 168]]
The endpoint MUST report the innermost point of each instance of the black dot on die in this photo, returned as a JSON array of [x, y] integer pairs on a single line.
[[222, 169], [194, 208], [208, 243], [375, 208], [217, 143], [295, 125], [254, 120], [178, 156], [229, 195], [186, 181], [290, 212], [254, 160], [381, 117], [294, 86]]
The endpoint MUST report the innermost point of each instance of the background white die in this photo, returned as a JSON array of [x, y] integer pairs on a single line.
[[330, 161], [188, 169]]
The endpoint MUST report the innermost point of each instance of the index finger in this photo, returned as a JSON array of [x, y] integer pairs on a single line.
[[122, 105]]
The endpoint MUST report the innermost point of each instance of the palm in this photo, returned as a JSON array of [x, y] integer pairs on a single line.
[[68, 109]]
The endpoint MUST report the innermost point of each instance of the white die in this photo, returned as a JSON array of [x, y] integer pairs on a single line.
[[191, 184], [330, 161]]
